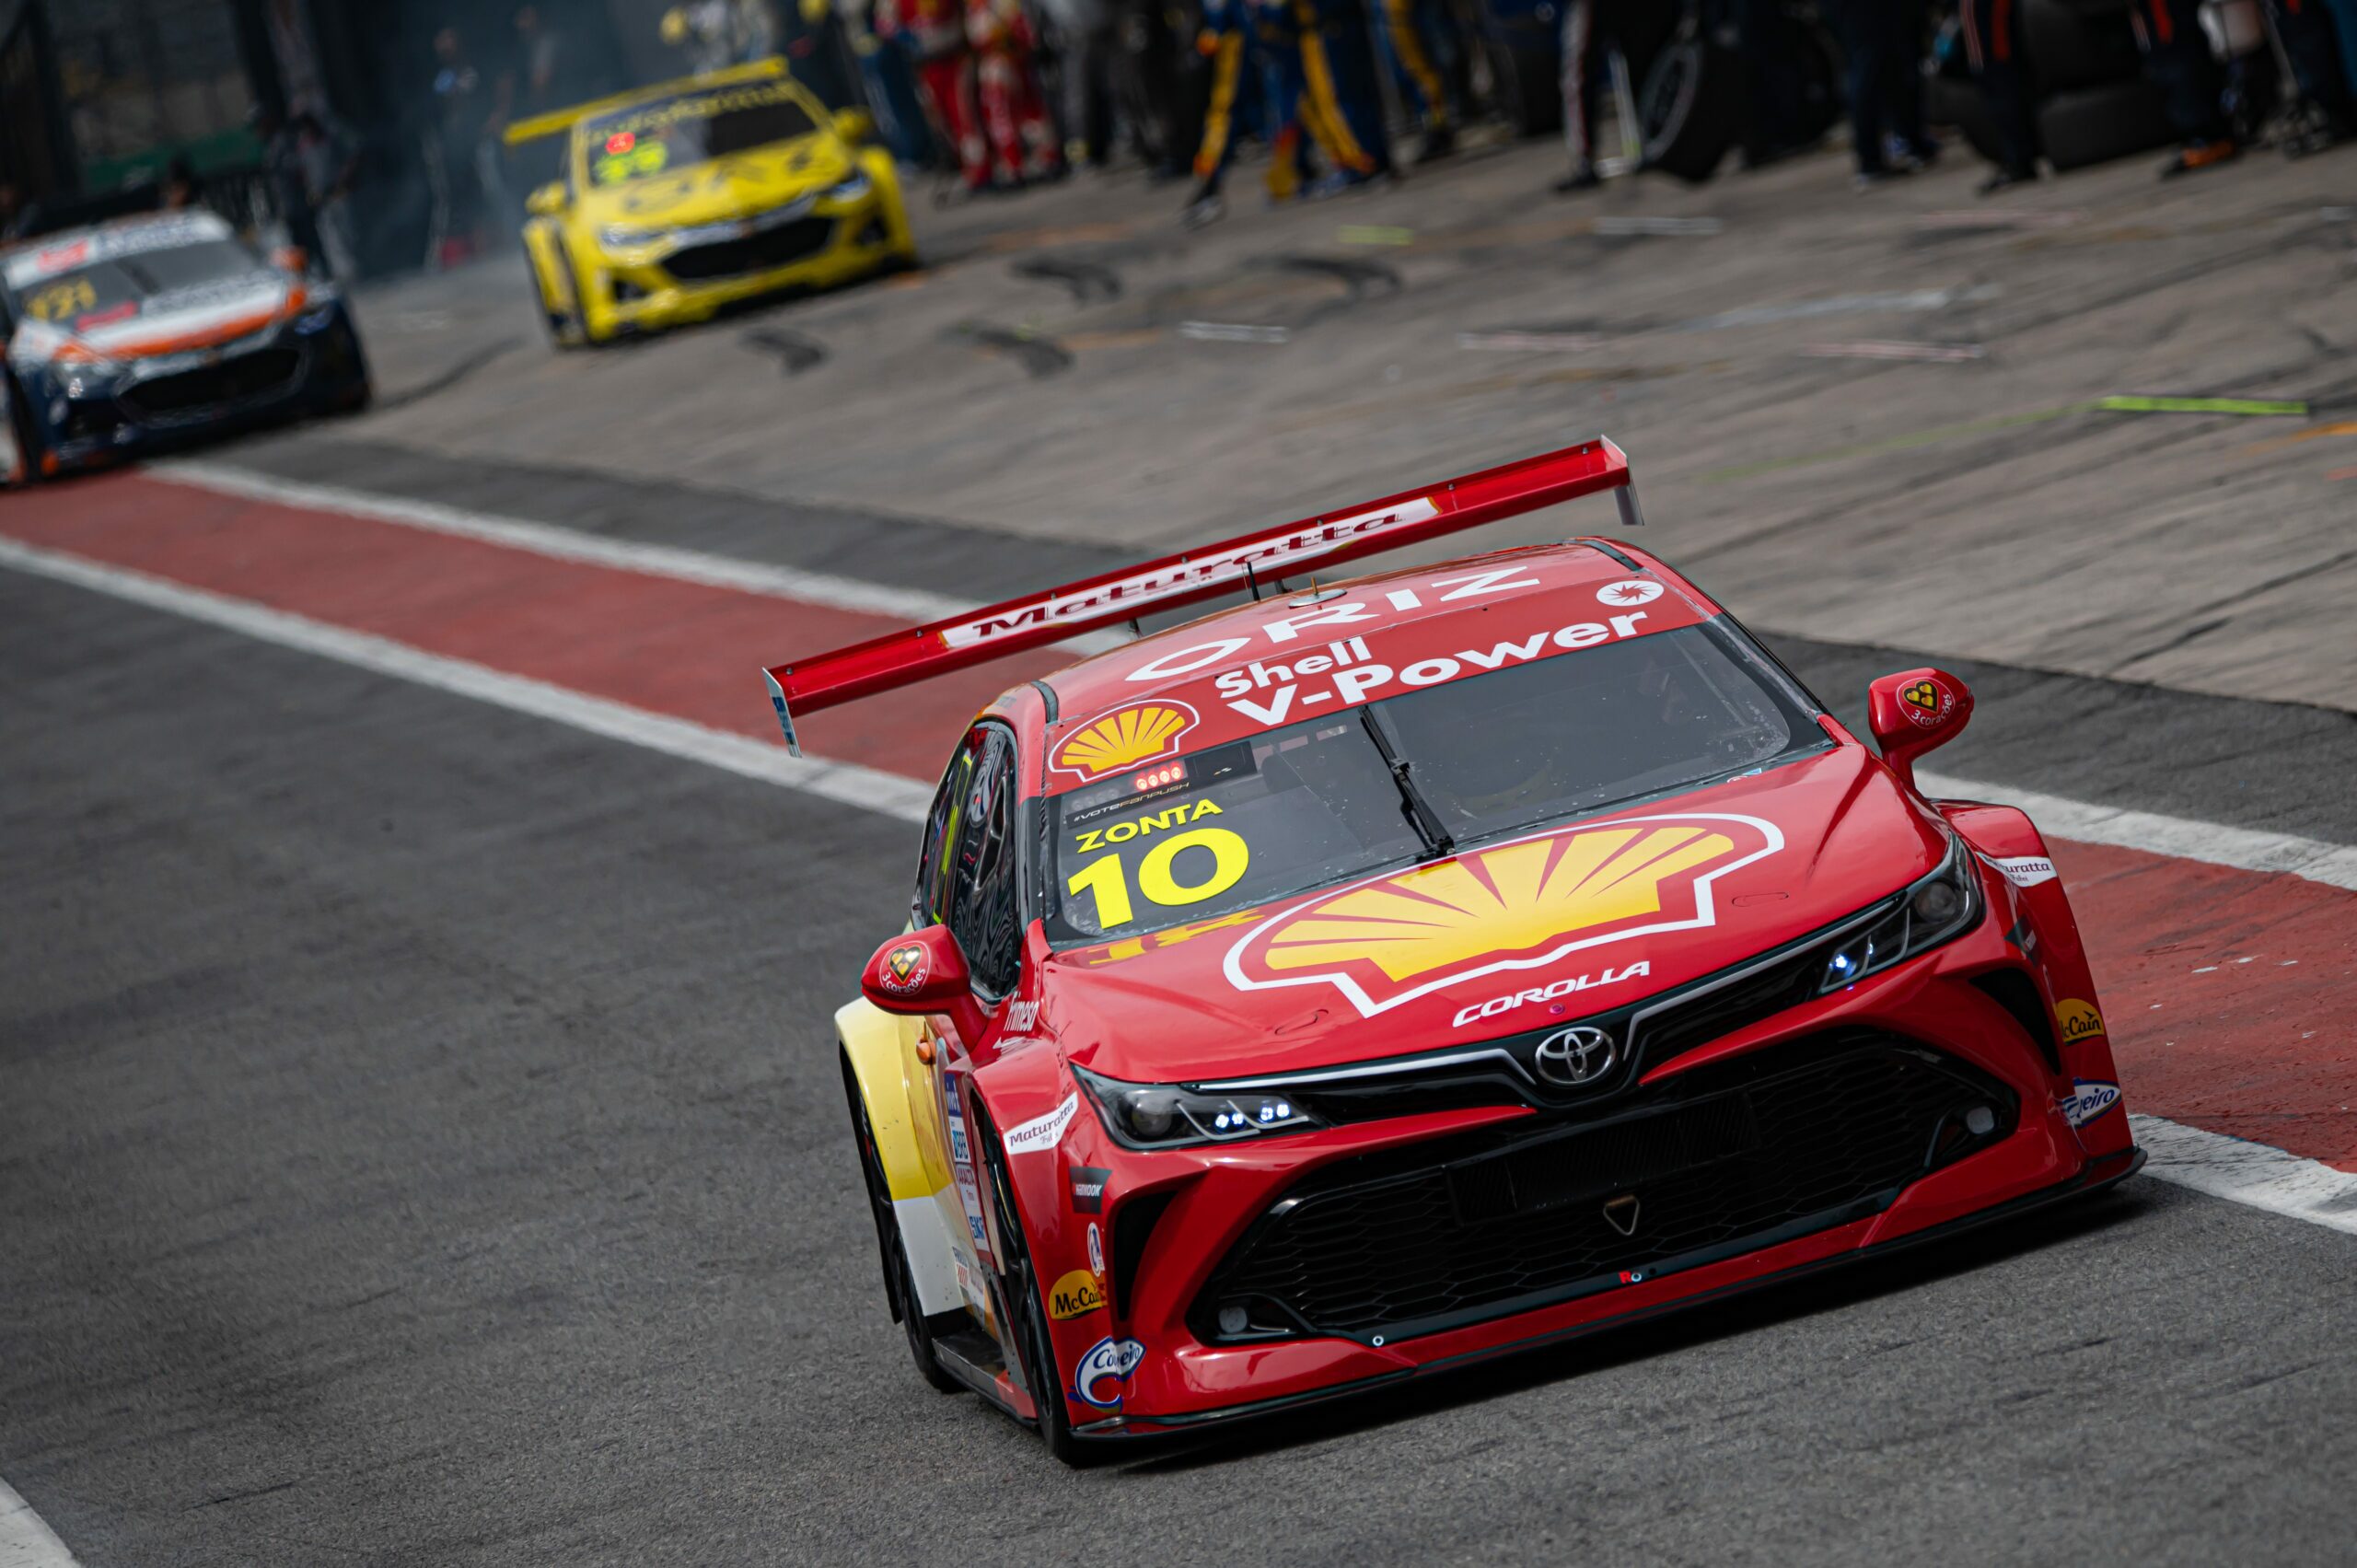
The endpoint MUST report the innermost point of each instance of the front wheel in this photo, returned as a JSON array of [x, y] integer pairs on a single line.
[[1026, 1304]]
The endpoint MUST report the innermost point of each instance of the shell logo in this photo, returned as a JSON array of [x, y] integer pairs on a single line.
[[1142, 732], [1521, 905]]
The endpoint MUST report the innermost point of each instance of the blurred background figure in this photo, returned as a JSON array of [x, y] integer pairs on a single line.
[[1236, 101], [2179, 59], [12, 210], [1592, 30], [2326, 77], [1014, 118], [452, 170], [1338, 38], [934, 33], [1428, 53], [181, 189], [715, 34], [1992, 46], [310, 168], [1883, 41], [1085, 46]]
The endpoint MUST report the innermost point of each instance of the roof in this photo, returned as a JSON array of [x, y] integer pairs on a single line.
[[56, 253], [1294, 655]]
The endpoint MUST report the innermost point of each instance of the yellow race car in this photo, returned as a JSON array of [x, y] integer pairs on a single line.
[[681, 199]]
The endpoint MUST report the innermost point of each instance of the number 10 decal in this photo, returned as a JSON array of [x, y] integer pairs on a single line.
[[1104, 878]]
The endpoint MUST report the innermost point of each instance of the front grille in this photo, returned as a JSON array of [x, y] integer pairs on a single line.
[[239, 379], [1722, 1160], [758, 253]]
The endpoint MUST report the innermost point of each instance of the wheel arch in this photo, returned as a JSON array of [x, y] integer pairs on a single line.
[[874, 1045]]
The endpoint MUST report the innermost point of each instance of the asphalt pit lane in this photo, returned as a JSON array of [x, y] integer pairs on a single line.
[[1040, 354], [1088, 281], [796, 351]]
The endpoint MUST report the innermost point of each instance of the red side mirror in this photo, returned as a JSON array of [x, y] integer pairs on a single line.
[[924, 973], [1911, 713]]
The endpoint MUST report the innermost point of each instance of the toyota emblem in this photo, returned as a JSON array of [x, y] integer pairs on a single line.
[[1575, 1057]]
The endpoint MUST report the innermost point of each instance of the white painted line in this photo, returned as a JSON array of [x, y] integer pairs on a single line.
[[573, 545], [1887, 348], [1233, 333], [2247, 849], [2256, 1174], [2226, 1168], [846, 782], [25, 1541], [1519, 342]]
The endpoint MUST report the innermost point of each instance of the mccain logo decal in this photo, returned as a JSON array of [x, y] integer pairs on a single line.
[[1521, 905]]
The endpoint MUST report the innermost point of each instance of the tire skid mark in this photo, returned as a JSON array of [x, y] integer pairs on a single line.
[[1040, 354], [796, 351]]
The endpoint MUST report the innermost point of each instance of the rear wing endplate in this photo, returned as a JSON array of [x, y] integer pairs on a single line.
[[902, 659]]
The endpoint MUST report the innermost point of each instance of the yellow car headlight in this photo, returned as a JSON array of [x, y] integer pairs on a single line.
[[614, 237]]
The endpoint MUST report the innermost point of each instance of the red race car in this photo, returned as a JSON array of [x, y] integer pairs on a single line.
[[1388, 974]]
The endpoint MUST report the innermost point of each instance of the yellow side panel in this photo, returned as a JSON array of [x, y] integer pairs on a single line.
[[882, 1047]]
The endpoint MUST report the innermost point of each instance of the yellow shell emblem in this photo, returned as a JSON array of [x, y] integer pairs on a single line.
[[1515, 905], [1142, 732]]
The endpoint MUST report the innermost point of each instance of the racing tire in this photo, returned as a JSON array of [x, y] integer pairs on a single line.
[[1527, 94], [2102, 123], [1690, 107], [1020, 1290], [900, 1280], [20, 434]]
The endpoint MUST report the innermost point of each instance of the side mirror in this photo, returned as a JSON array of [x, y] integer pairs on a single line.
[[924, 973], [547, 201], [855, 125], [1912, 712], [290, 259]]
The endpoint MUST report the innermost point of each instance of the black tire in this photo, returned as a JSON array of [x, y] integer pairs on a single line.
[[1026, 1299], [1528, 93], [1691, 108], [900, 1282], [2068, 51], [2100, 124], [1950, 102], [20, 431]]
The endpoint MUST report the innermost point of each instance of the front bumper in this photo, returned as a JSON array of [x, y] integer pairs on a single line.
[[83, 420], [664, 284], [1180, 1223]]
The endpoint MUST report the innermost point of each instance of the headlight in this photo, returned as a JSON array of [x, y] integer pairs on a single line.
[[1164, 1116], [622, 239], [851, 190], [1942, 905]]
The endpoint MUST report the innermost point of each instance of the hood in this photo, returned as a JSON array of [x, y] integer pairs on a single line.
[[735, 186], [1598, 913], [218, 312]]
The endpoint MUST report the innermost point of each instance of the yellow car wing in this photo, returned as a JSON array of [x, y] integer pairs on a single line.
[[558, 121]]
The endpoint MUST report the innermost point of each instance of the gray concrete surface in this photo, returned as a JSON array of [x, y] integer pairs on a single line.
[[421, 1145], [1943, 506]]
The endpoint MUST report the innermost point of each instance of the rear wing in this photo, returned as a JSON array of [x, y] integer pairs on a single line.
[[902, 658], [559, 121]]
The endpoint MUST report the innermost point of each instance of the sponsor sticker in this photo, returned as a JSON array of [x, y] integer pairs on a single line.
[[1517, 906], [1476, 1012], [1075, 1296], [1124, 738], [2088, 1098], [1021, 1015], [906, 968], [970, 1285], [1042, 1133], [2023, 870], [1095, 1248], [1272, 557], [1926, 702], [1088, 1189], [1109, 1361], [1627, 591], [2077, 1020]]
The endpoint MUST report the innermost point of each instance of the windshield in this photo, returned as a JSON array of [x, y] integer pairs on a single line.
[[1254, 821], [683, 131], [122, 287]]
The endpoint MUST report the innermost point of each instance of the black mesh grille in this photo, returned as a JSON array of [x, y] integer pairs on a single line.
[[758, 252], [236, 379], [1810, 1135]]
